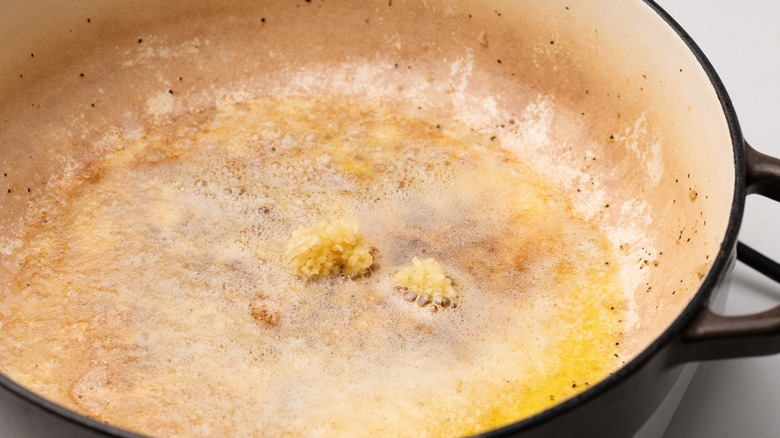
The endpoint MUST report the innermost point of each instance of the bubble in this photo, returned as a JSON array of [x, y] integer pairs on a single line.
[[423, 300], [441, 301]]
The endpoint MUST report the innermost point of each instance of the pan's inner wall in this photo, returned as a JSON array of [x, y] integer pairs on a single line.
[[607, 101]]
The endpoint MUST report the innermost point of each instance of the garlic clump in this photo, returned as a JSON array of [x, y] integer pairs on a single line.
[[329, 249], [425, 282]]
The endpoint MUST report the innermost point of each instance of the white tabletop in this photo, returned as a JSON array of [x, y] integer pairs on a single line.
[[740, 397]]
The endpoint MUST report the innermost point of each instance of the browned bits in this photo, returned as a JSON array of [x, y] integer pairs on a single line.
[[264, 314], [433, 309]]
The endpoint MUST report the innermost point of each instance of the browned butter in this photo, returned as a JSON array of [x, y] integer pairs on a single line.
[[156, 295]]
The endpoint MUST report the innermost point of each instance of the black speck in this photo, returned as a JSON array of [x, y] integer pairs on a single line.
[[170, 91], [8, 191], [89, 20], [396, 65], [32, 55], [273, 149], [180, 78], [552, 42], [499, 61], [308, 1], [28, 190], [81, 75], [140, 40], [92, 105], [262, 20], [492, 138]]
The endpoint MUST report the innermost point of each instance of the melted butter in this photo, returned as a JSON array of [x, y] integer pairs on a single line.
[[137, 302]]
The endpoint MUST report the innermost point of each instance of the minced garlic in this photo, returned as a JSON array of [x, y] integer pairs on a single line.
[[424, 283], [329, 249]]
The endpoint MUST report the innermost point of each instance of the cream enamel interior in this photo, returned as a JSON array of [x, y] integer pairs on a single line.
[[629, 124]]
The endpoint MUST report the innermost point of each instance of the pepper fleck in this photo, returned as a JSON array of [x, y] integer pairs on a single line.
[[140, 40], [262, 20], [81, 75], [170, 91]]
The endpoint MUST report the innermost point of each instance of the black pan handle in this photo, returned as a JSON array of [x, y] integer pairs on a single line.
[[712, 336]]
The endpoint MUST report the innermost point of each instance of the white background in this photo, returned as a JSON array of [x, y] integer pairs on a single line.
[[740, 397]]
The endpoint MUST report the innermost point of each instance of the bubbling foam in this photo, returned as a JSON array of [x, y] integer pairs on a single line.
[[159, 297]]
